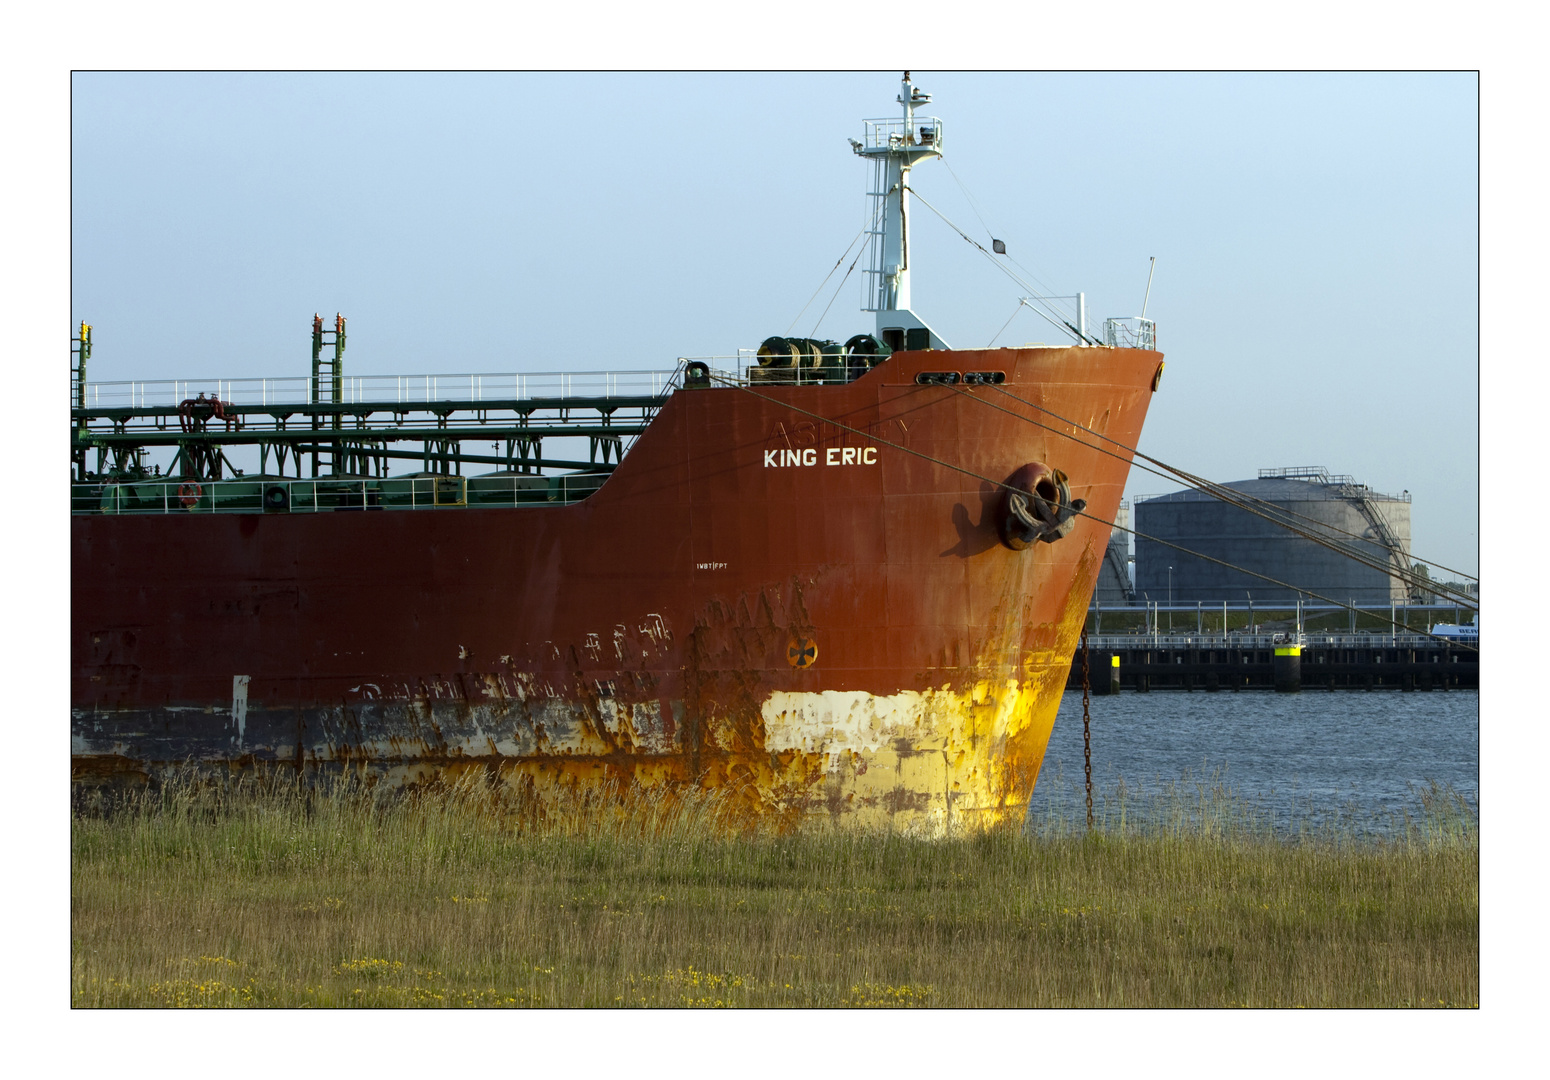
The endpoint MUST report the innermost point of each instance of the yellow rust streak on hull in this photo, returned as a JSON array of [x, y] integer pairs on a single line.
[[930, 762]]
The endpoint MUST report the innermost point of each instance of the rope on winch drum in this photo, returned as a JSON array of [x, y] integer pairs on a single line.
[[735, 384]]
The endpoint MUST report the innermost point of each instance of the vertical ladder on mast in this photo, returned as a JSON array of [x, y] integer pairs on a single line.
[[875, 230], [327, 387]]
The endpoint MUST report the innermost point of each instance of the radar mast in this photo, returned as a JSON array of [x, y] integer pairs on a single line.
[[894, 146]]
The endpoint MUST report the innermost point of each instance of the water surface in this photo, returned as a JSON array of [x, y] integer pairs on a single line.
[[1360, 758]]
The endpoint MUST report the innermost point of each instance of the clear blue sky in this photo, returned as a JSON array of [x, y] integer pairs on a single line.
[[1316, 236]]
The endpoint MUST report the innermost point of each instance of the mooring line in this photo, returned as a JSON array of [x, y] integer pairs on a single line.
[[1208, 487], [738, 385]]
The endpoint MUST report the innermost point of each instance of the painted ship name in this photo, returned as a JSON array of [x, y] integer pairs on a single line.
[[834, 455]]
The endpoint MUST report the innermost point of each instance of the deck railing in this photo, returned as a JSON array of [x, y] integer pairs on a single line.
[[251, 494], [425, 390], [892, 133], [386, 389]]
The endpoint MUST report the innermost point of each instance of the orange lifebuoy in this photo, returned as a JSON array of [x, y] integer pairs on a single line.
[[188, 494]]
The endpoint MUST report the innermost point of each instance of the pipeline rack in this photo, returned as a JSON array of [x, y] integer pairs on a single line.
[[341, 434]]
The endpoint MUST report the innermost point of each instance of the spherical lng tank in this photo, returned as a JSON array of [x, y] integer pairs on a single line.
[[1334, 507]]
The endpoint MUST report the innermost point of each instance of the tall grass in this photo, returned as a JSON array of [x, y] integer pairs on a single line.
[[277, 894]]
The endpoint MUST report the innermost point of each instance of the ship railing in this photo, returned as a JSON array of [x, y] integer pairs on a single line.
[[892, 133], [427, 390], [728, 368], [744, 369], [251, 494], [385, 389], [1130, 333]]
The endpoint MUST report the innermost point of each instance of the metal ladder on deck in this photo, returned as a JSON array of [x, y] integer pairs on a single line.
[[327, 387]]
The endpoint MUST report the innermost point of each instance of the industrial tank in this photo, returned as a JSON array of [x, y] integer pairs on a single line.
[[1336, 504]]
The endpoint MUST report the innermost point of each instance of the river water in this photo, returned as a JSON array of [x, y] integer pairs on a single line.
[[1357, 759]]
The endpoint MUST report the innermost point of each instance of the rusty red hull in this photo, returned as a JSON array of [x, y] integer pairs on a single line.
[[760, 596]]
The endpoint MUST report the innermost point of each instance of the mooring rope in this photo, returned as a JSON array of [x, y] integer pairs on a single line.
[[1208, 487], [738, 385], [1245, 503]]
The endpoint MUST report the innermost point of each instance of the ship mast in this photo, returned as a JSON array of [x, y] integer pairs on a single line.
[[894, 146]]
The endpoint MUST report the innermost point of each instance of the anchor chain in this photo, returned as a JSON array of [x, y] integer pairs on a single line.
[[1087, 734]]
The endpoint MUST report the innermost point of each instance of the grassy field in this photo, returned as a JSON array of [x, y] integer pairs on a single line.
[[198, 896]]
